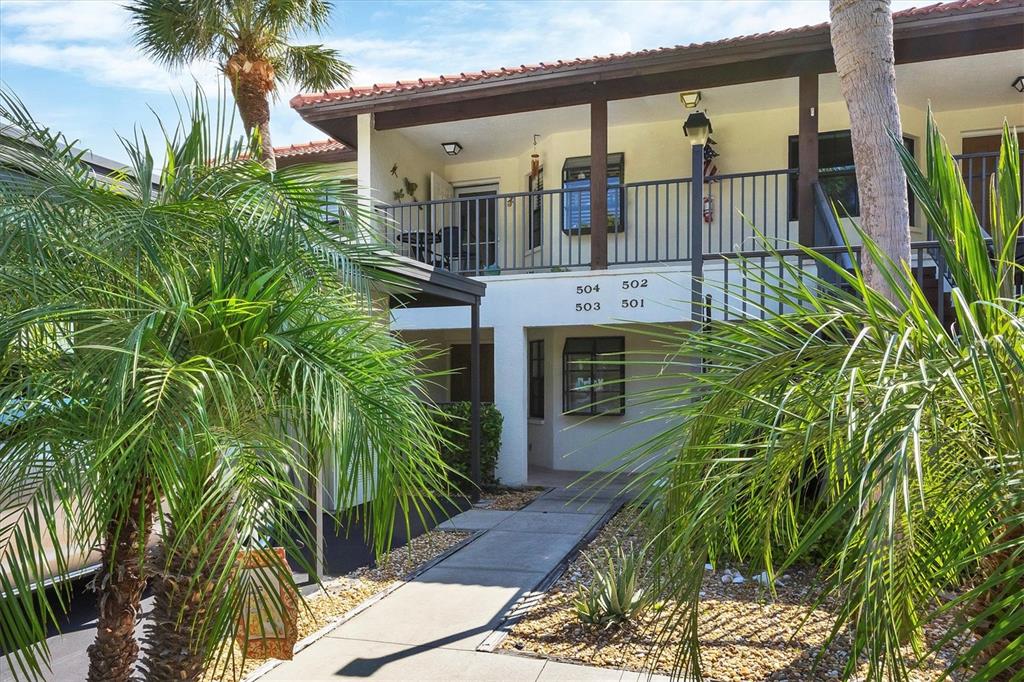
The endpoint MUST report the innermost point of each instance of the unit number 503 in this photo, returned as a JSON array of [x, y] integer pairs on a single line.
[[587, 307]]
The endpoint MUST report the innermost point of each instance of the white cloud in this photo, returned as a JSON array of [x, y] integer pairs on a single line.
[[67, 21]]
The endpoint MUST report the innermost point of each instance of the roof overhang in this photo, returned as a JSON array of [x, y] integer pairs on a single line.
[[423, 286], [925, 36]]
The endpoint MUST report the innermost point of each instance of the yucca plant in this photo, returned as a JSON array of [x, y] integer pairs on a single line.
[[615, 594], [177, 354], [863, 434]]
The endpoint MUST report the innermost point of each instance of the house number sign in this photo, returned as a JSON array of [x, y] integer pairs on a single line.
[[629, 296]]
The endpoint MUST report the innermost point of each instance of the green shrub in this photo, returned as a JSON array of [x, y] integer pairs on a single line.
[[453, 418], [615, 595]]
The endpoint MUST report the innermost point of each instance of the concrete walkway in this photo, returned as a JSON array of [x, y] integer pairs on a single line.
[[432, 627]]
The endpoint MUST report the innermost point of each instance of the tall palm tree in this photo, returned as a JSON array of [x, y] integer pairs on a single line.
[[179, 356], [861, 434], [250, 42], [861, 33]]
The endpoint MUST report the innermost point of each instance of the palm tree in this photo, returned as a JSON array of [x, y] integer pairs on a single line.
[[862, 45], [250, 41], [864, 435], [180, 356]]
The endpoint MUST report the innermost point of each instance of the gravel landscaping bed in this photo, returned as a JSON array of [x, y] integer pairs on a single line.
[[508, 499], [745, 633], [341, 595]]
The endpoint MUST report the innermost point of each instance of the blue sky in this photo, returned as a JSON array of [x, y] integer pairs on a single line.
[[73, 62]]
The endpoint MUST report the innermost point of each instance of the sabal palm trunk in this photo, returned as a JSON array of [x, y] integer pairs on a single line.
[[121, 581], [252, 83], [863, 50]]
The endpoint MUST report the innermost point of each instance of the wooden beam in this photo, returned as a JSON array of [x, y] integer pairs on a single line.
[[808, 156], [599, 184], [636, 85]]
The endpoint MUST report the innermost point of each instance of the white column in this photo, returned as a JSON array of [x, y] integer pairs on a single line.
[[364, 160], [510, 395]]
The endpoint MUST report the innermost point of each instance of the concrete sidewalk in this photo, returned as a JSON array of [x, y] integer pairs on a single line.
[[431, 628]]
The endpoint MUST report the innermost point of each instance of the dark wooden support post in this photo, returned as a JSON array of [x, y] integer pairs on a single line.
[[808, 156], [474, 395], [697, 234], [599, 184], [315, 497]]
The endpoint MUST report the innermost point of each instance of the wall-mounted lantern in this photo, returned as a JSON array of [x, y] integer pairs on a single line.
[[534, 159], [451, 148], [690, 100], [697, 128]]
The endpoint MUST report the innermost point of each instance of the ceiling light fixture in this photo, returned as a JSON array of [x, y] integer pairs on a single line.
[[451, 148], [690, 100]]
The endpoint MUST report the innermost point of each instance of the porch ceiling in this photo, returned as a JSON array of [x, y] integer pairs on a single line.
[[976, 81]]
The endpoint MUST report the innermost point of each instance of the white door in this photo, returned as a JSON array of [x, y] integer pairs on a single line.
[[440, 188]]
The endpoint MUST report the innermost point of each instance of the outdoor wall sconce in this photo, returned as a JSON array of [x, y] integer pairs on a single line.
[[697, 128], [1018, 84], [690, 100], [451, 148]]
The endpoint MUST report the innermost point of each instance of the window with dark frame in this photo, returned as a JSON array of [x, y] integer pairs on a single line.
[[536, 184], [536, 388], [836, 174], [593, 374], [576, 204]]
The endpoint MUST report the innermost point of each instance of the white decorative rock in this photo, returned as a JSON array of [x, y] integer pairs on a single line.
[[761, 578], [726, 578], [708, 567], [738, 578]]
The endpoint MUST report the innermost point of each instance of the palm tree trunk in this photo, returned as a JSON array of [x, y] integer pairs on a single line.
[[121, 580], [863, 49], [183, 602], [252, 96]]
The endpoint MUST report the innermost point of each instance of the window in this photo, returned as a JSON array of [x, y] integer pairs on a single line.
[[536, 209], [835, 171], [592, 376], [576, 205], [460, 387], [536, 397]]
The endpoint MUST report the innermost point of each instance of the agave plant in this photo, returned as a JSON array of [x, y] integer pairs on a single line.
[[615, 595], [177, 356], [865, 435]]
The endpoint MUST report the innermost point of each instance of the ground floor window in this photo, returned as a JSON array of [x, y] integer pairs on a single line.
[[593, 376], [536, 398], [460, 387]]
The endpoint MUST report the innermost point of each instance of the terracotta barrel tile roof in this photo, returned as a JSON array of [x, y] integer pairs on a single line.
[[308, 148], [442, 81]]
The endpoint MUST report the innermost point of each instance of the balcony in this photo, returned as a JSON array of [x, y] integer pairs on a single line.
[[649, 222], [549, 230]]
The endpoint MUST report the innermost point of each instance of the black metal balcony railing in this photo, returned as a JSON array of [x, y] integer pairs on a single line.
[[648, 222]]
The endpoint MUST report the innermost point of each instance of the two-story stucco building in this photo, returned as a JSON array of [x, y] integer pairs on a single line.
[[491, 174]]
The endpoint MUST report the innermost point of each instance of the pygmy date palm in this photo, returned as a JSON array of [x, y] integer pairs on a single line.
[[862, 434], [249, 40], [177, 355]]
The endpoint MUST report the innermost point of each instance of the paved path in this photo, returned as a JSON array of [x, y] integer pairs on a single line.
[[431, 627]]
